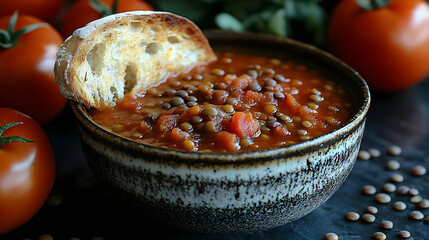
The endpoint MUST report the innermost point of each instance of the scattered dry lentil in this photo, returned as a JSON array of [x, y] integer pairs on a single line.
[[413, 192], [404, 234], [393, 165], [427, 220], [386, 224], [419, 170], [46, 237], [375, 153], [424, 203], [416, 199], [383, 198], [397, 178], [399, 206], [417, 215], [389, 187], [367, 217], [372, 209], [379, 236], [394, 150], [403, 190], [353, 216], [369, 190], [331, 236], [364, 155]]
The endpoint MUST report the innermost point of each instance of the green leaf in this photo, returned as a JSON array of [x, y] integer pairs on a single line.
[[9, 139], [227, 22], [277, 24]]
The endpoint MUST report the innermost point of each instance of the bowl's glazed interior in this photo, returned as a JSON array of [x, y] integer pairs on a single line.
[[233, 192]]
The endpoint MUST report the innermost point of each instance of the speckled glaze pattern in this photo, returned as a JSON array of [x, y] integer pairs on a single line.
[[236, 192]]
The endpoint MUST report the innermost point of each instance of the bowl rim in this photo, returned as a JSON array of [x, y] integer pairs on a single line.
[[262, 155]]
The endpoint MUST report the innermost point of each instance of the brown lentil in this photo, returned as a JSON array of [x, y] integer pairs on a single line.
[[352, 216], [367, 217], [372, 209], [379, 236], [269, 82], [417, 215], [413, 192], [176, 101], [313, 105], [301, 132], [424, 203], [403, 190], [306, 124], [279, 95], [394, 150], [399, 206], [210, 127], [386, 224], [280, 78], [427, 220], [369, 190], [416, 199], [270, 108], [245, 142], [185, 126], [393, 165], [363, 155], [254, 87], [375, 153], [389, 187], [218, 72], [397, 178], [209, 111], [331, 236], [285, 118], [46, 237], [228, 108], [252, 73], [419, 170], [383, 198], [404, 234], [188, 144]]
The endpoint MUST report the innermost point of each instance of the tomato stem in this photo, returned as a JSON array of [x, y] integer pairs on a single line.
[[103, 9], [9, 139], [372, 4], [10, 38]]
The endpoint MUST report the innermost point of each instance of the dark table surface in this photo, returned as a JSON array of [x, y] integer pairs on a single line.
[[78, 207]]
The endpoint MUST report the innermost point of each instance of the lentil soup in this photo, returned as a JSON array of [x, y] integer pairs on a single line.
[[239, 102]]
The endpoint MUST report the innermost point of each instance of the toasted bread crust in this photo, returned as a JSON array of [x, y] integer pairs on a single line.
[[127, 53]]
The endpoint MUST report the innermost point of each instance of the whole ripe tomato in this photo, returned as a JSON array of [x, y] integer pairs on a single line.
[[27, 170], [82, 12], [27, 81], [388, 46], [43, 9]]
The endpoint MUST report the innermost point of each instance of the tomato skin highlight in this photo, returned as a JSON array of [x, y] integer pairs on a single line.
[[27, 81], [27, 171], [81, 13], [388, 46]]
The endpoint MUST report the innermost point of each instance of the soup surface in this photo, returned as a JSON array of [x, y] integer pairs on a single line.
[[238, 103]]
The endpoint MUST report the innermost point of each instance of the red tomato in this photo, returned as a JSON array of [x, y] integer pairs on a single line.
[[81, 13], [43, 9], [27, 81], [27, 170], [388, 46]]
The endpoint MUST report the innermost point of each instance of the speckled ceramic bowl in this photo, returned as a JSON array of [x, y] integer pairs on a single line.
[[232, 192]]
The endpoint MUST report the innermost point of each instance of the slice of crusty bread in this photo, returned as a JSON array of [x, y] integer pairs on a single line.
[[127, 52]]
